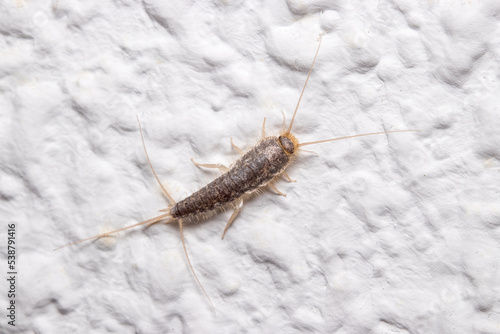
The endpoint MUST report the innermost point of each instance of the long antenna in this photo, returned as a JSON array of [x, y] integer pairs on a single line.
[[303, 89], [366, 134]]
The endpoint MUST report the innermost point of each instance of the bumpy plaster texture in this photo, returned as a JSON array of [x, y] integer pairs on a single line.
[[384, 234]]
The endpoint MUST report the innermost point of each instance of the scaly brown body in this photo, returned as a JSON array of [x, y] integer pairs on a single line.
[[253, 170]]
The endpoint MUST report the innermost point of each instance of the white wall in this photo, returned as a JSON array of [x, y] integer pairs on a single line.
[[384, 234]]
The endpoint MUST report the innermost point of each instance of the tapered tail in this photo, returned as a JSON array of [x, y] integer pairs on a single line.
[[151, 221]]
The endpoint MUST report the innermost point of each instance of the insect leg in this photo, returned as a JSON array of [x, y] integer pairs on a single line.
[[285, 175], [273, 187], [309, 151], [264, 129], [239, 150], [284, 121], [237, 210], [221, 167]]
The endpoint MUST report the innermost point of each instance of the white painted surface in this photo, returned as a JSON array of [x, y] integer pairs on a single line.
[[382, 234]]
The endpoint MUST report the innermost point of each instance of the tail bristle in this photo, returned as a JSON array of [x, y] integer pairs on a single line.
[[149, 221]]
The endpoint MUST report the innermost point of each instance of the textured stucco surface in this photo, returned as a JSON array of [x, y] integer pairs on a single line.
[[383, 234]]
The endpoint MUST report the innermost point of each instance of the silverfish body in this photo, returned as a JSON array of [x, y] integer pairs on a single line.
[[253, 170]]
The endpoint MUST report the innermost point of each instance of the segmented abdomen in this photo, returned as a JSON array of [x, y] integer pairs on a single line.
[[251, 171]]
